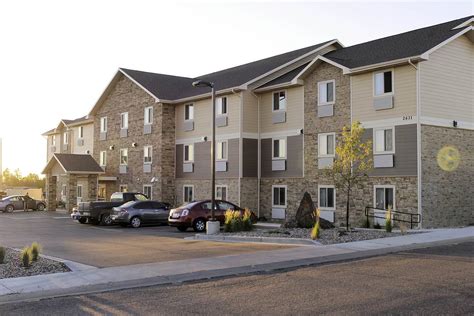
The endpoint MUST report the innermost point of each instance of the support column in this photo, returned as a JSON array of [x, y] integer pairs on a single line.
[[71, 192], [51, 186], [92, 180]]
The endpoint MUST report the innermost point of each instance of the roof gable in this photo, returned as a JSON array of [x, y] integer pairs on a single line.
[[74, 163]]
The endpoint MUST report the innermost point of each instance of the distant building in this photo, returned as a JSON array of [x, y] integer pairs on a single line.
[[1, 166]]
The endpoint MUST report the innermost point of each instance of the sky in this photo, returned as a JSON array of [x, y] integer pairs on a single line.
[[57, 57]]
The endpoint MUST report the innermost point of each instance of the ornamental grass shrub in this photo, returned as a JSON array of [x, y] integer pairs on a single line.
[[25, 257], [2, 254], [236, 221], [247, 220], [35, 251], [388, 220], [316, 230]]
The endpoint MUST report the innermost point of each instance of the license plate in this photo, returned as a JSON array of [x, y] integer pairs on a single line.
[[175, 215]]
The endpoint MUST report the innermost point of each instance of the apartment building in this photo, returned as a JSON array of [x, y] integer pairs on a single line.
[[279, 120]]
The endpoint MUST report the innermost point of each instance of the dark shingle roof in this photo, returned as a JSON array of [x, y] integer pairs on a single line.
[[169, 87], [286, 77], [78, 163], [394, 47], [78, 120]]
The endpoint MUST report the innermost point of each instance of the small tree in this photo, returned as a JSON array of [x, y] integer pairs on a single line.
[[352, 163]]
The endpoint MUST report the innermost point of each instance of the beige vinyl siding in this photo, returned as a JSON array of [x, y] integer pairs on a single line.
[[49, 149], [294, 111], [250, 119], [203, 118], [404, 96], [88, 139], [446, 82]]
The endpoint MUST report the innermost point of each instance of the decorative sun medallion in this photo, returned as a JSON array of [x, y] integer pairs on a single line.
[[448, 158]]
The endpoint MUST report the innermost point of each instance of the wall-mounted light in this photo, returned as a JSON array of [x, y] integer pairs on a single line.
[[112, 147], [455, 123], [301, 131], [204, 138], [134, 145], [88, 152]]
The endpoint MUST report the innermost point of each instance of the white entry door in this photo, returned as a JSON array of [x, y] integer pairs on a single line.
[[79, 193], [384, 197]]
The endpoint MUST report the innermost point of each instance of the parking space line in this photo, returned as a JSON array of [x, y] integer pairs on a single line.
[[61, 217]]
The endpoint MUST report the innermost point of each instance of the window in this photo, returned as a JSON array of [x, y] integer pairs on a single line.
[[148, 115], [64, 190], [326, 92], [66, 138], [221, 106], [189, 153], [326, 145], [384, 139], [279, 195], [221, 192], [124, 120], [103, 124], [103, 158], [383, 82], [327, 197], [147, 154], [79, 191], [384, 197], [80, 132], [124, 156], [221, 150], [53, 140], [148, 191], [279, 101], [189, 112], [188, 193], [122, 188], [279, 148], [224, 206]]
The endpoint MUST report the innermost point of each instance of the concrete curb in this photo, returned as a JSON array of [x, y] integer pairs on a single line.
[[269, 240]]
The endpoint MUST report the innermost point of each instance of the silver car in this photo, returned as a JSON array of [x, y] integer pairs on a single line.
[[17, 202], [138, 213]]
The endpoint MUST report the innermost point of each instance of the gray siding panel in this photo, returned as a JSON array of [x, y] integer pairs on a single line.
[[250, 157], [404, 160], [294, 159]]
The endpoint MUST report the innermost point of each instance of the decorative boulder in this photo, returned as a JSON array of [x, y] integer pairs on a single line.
[[305, 215]]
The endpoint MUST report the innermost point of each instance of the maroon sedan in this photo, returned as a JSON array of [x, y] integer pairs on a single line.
[[195, 214]]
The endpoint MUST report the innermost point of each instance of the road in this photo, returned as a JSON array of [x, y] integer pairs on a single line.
[[433, 281]]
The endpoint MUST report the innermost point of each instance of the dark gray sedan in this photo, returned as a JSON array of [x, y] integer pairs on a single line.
[[138, 213], [17, 202]]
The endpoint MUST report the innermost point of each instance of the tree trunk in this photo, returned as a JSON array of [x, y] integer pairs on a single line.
[[347, 207]]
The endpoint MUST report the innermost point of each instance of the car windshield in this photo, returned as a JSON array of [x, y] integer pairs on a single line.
[[7, 198], [128, 204], [116, 197], [188, 205], [141, 197]]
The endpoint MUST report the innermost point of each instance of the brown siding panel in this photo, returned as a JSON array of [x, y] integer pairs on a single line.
[[294, 161], [250, 157]]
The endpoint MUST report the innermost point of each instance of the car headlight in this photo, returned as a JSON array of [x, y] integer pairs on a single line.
[[185, 212]]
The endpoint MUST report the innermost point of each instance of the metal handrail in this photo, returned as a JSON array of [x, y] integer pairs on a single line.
[[414, 218]]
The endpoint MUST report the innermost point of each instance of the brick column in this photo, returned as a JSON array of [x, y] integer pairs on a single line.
[[71, 192], [51, 185], [92, 181]]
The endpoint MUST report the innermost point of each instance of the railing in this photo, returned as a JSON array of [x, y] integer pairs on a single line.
[[396, 215]]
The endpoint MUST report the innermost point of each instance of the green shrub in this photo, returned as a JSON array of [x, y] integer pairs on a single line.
[[247, 220], [229, 215], [236, 224], [35, 251], [25, 257], [388, 220], [235, 221], [2, 254]]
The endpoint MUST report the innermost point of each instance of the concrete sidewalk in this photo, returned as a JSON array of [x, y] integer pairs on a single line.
[[97, 280]]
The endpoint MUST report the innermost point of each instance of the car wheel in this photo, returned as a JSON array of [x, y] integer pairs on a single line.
[[9, 208], [136, 222], [182, 229], [199, 225], [105, 220], [82, 220], [40, 207]]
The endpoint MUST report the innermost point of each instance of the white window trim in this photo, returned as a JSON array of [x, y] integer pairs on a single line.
[[103, 127], [286, 196], [150, 197], [65, 138], [226, 150], [219, 106], [184, 153], [184, 114], [385, 186], [121, 120], [222, 186], [184, 191], [273, 100], [123, 186], [327, 155], [333, 92], [374, 140], [53, 140], [105, 158], [120, 156], [273, 148], [151, 155], [334, 197], [150, 117], [393, 83], [82, 191], [80, 130]]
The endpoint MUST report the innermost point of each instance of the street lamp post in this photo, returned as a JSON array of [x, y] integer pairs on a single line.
[[202, 83]]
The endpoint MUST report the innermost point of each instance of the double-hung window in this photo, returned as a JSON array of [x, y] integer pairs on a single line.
[[384, 139], [53, 140], [221, 150], [124, 156], [326, 145], [79, 191], [188, 193], [221, 106], [221, 192], [80, 132], [384, 197], [66, 138], [148, 191], [326, 92], [103, 158], [103, 124], [279, 148], [124, 120], [383, 83], [148, 119], [327, 197], [189, 112], [189, 153], [279, 101], [147, 154], [279, 196]]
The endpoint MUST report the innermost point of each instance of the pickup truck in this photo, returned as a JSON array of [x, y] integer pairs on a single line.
[[98, 212]]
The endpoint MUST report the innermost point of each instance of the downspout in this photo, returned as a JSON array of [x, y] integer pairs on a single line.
[[259, 171], [239, 94]]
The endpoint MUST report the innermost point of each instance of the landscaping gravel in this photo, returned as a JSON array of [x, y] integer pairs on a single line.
[[12, 267], [327, 236]]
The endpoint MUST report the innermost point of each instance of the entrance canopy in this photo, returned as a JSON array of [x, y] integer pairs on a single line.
[[61, 164]]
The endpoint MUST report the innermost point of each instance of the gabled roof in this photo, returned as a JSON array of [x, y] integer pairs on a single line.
[[73, 163], [69, 123], [285, 78], [404, 45]]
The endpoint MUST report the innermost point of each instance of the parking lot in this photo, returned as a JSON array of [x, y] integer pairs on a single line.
[[101, 246]]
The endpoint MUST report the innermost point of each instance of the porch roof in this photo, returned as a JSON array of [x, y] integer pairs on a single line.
[[74, 163]]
